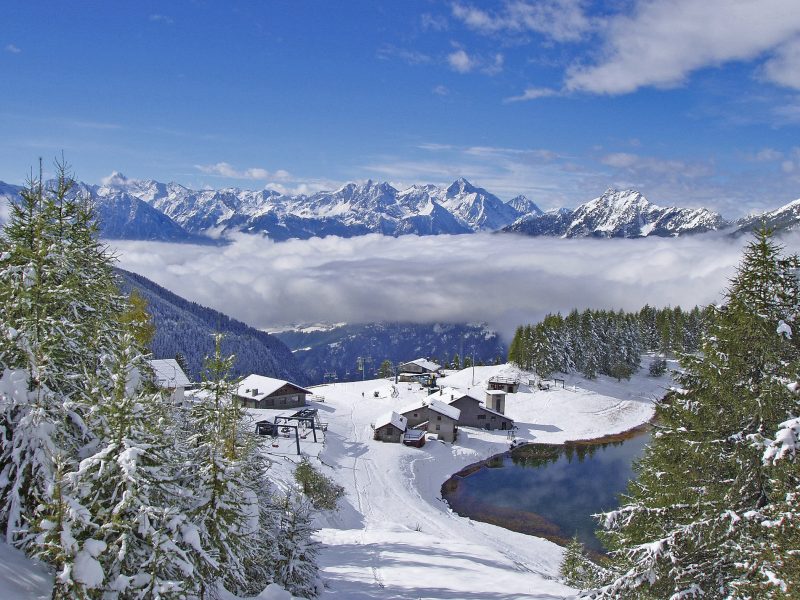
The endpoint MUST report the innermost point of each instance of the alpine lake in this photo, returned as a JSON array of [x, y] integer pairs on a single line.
[[549, 490]]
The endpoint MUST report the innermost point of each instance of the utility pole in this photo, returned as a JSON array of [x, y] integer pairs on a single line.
[[473, 365]]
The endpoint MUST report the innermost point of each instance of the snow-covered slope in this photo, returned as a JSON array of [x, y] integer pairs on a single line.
[[394, 537], [354, 209], [625, 213], [147, 209], [785, 218], [121, 215]]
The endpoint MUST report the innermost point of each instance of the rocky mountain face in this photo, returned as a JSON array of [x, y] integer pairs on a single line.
[[619, 214], [122, 216], [354, 209], [326, 353], [150, 210], [785, 218]]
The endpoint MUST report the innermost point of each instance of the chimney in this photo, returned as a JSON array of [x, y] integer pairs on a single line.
[[255, 391]]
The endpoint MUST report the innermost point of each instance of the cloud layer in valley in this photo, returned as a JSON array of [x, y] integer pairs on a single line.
[[504, 280]]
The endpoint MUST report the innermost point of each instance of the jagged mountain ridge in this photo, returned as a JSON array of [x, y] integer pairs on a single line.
[[619, 214], [353, 209], [123, 216], [785, 218], [150, 210], [336, 349]]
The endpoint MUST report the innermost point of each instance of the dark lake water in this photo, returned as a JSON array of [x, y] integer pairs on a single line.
[[547, 490]]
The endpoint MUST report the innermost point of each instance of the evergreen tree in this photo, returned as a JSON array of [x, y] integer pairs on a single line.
[[57, 295], [223, 505], [576, 568], [295, 556], [128, 485], [385, 370], [687, 525]]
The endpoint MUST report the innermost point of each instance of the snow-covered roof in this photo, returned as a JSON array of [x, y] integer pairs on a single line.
[[168, 373], [451, 394], [393, 418], [259, 387], [494, 412], [444, 409], [424, 363], [418, 404]]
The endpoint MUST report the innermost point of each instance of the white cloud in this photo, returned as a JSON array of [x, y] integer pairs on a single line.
[[13, 49], [784, 67], [411, 57], [156, 18], [495, 65], [502, 279], [663, 41], [223, 169], [460, 61], [440, 90], [533, 93], [433, 22], [559, 20]]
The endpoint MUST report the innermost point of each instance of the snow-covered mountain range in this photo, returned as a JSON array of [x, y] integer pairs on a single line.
[[150, 210], [616, 213]]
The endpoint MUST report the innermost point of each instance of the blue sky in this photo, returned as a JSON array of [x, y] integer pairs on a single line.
[[693, 103]]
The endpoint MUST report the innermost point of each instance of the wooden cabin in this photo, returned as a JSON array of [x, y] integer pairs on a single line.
[[390, 427], [257, 391]]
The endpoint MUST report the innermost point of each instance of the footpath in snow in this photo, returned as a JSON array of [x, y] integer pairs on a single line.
[[394, 537]]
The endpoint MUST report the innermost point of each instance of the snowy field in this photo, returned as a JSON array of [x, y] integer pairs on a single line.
[[394, 537]]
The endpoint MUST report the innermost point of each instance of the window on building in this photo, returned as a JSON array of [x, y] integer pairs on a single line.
[[439, 417], [493, 417], [481, 417], [438, 428], [283, 401]]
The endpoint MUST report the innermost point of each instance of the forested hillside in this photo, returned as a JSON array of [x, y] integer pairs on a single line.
[[605, 342], [187, 328], [336, 350]]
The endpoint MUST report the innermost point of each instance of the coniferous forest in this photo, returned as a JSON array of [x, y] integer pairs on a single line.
[[122, 493], [603, 342], [713, 511]]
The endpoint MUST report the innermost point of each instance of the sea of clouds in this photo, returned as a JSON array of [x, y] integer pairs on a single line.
[[504, 280]]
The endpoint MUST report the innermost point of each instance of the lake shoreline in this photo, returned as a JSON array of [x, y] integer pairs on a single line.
[[524, 521]]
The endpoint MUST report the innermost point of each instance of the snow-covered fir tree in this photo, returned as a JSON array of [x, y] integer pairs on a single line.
[[695, 522], [224, 509], [295, 555], [57, 294], [576, 568], [129, 485], [603, 342]]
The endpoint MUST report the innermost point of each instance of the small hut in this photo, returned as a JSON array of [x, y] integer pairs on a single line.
[[390, 427]]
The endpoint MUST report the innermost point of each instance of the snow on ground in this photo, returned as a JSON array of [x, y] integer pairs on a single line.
[[22, 578], [394, 537]]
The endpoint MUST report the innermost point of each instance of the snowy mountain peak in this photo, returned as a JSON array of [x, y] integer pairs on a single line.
[[524, 205], [461, 186], [619, 213]]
